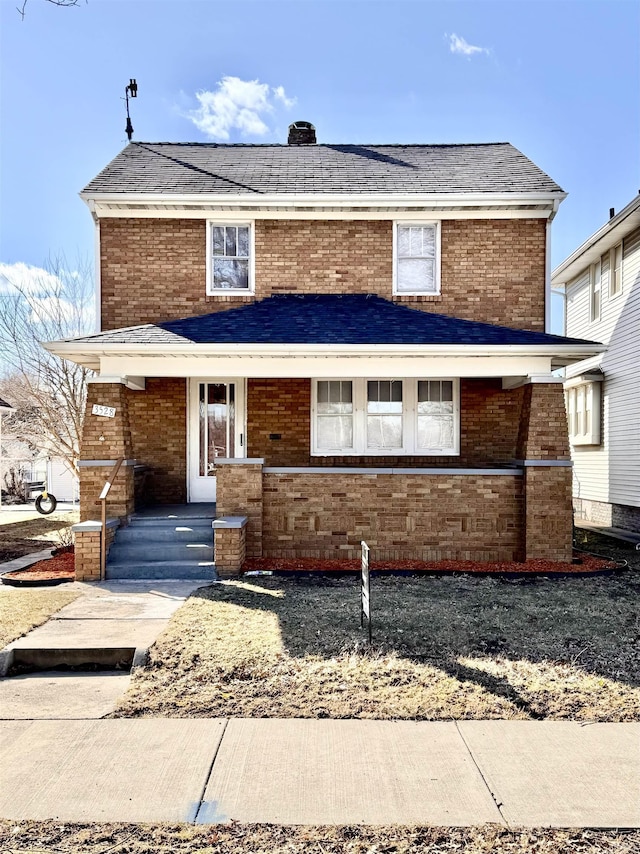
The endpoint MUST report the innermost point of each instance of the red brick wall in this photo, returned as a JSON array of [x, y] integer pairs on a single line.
[[424, 517], [153, 270], [489, 426], [158, 421]]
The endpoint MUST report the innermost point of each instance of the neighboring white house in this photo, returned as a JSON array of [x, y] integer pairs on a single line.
[[601, 280]]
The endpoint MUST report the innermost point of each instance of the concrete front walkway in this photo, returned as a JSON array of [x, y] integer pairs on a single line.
[[111, 621], [514, 773]]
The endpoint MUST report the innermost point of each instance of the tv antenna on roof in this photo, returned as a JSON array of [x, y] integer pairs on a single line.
[[130, 89]]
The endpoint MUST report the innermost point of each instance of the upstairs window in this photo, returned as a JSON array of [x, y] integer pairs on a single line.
[[615, 282], [416, 258], [229, 258], [595, 291]]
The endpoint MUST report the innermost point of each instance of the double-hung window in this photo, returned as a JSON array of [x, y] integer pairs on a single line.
[[595, 291], [583, 401], [615, 280], [378, 417], [229, 258], [416, 258]]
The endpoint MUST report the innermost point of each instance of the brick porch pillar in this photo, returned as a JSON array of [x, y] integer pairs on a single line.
[[104, 440], [239, 493], [543, 449]]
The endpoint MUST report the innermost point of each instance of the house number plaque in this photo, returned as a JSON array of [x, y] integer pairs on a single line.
[[105, 411]]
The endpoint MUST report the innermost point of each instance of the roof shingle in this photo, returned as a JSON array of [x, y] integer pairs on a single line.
[[200, 168]]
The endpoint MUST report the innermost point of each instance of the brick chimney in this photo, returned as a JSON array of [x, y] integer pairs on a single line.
[[302, 133]]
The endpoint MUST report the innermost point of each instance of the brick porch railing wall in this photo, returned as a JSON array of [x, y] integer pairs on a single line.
[[444, 516]]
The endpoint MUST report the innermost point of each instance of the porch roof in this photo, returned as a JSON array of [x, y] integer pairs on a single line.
[[321, 335], [325, 319]]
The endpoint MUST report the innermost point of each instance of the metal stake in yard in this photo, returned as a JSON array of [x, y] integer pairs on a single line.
[[365, 589]]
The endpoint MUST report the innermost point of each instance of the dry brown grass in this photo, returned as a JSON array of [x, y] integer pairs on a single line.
[[23, 610], [24, 533], [444, 647], [50, 836]]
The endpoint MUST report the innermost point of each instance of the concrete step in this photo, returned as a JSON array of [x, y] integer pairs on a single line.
[[150, 551], [176, 522], [200, 570], [177, 534]]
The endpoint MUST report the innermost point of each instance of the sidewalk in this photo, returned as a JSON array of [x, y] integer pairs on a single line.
[[60, 760], [514, 773]]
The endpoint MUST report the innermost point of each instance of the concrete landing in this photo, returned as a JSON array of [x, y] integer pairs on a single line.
[[54, 695]]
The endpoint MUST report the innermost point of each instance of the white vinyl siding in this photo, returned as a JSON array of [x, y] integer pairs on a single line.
[[381, 417], [611, 472]]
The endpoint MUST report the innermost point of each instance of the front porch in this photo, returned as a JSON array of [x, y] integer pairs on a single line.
[[505, 496]]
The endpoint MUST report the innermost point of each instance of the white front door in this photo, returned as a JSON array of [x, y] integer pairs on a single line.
[[216, 429]]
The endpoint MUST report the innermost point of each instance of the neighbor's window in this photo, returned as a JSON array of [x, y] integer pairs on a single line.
[[583, 412], [377, 417], [229, 260], [615, 282], [417, 258], [596, 290]]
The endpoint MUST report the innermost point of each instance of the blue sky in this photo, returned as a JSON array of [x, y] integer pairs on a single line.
[[557, 78]]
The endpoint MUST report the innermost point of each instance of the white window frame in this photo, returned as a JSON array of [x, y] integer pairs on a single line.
[[409, 419], [210, 289], [582, 399], [417, 224], [615, 281]]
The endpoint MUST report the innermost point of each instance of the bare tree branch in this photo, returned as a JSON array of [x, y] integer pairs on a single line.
[[21, 9], [48, 393]]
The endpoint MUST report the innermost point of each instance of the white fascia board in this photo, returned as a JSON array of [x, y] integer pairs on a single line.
[[600, 242], [326, 366], [584, 366], [203, 204], [67, 349]]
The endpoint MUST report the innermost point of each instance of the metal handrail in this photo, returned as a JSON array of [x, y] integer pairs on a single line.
[[103, 501]]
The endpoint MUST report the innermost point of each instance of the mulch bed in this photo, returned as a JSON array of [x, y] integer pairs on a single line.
[[56, 570], [584, 564]]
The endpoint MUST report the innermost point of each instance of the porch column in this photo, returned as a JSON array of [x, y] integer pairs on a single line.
[[104, 439], [239, 493], [543, 448]]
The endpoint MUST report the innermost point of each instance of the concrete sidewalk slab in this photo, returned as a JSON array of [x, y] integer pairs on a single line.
[[82, 634], [114, 770], [560, 773], [345, 772], [61, 696]]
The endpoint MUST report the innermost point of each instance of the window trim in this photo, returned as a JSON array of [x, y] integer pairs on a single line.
[[409, 416], [210, 290], [398, 223]]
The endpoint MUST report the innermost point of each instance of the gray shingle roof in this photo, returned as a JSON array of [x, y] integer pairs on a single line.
[[324, 319], [185, 168]]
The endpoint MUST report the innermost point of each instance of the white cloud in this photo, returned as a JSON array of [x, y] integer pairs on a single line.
[[48, 309], [459, 45], [237, 105], [24, 277]]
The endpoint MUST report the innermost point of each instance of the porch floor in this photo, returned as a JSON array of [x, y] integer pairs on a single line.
[[177, 511]]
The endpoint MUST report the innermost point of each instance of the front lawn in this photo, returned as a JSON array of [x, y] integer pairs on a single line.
[[444, 647], [23, 610]]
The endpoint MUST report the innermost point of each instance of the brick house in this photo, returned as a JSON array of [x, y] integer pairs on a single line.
[[335, 342]]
